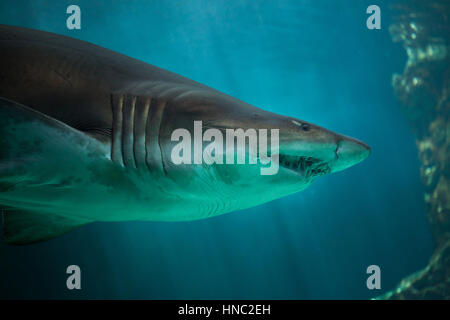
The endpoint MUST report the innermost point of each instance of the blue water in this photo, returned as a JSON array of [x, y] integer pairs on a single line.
[[314, 60]]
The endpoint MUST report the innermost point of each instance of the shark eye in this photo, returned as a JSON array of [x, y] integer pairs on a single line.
[[305, 127]]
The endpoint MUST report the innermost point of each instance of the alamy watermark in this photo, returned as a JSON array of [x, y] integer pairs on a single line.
[[374, 20], [74, 280], [74, 20], [234, 150], [374, 280]]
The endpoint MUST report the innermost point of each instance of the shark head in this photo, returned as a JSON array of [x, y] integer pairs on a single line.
[[311, 151], [305, 151]]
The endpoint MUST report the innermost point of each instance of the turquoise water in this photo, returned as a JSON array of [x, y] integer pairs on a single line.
[[314, 60]]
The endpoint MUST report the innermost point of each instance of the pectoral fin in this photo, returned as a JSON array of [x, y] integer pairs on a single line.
[[25, 132], [38, 149], [26, 227]]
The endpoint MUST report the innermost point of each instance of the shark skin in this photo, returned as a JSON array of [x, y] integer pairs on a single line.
[[85, 135]]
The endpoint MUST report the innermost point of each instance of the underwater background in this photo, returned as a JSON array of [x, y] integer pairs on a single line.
[[313, 60]]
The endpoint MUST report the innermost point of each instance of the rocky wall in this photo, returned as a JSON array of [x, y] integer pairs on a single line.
[[423, 89]]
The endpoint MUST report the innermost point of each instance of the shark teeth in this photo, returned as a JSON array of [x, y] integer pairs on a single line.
[[307, 166]]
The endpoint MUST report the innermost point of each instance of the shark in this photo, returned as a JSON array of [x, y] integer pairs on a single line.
[[85, 136]]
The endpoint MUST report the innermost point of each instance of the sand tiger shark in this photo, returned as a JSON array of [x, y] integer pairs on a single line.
[[85, 135]]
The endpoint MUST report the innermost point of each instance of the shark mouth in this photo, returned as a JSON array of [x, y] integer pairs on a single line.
[[306, 166]]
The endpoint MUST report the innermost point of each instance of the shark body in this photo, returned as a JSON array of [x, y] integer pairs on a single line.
[[85, 135]]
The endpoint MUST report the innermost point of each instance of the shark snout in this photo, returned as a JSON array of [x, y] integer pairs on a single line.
[[349, 151]]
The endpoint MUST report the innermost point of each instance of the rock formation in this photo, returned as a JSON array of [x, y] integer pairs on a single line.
[[423, 28]]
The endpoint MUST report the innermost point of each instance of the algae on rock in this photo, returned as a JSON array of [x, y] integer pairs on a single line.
[[423, 28]]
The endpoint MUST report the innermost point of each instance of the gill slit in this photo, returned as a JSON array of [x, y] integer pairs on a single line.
[[128, 138], [116, 152], [159, 138]]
